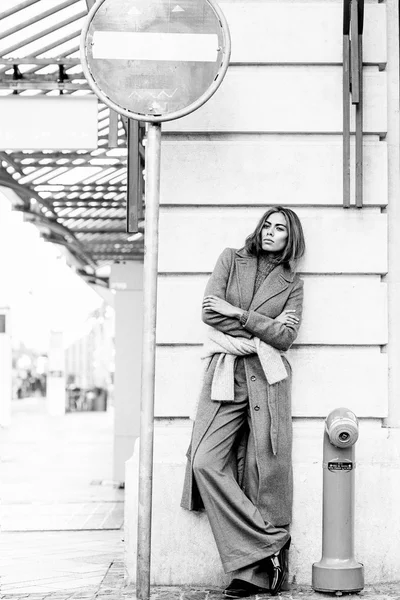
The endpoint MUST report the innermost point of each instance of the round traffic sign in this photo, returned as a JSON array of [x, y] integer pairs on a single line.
[[155, 60]]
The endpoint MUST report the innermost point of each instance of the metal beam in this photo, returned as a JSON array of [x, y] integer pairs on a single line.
[[38, 79], [69, 166], [6, 157], [15, 9], [43, 33], [57, 155], [25, 191], [117, 255], [21, 85], [58, 42], [55, 45], [108, 245], [75, 187], [103, 281], [91, 218], [98, 231], [33, 60], [78, 203], [60, 230], [84, 159], [72, 156], [36, 18]]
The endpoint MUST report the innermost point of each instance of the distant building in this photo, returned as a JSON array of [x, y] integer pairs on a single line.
[[89, 361]]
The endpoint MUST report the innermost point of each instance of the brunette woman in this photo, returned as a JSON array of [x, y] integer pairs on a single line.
[[239, 466]]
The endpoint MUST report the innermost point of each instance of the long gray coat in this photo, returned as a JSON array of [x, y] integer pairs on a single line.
[[233, 280]]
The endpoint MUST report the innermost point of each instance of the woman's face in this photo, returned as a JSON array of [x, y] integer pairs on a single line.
[[274, 233]]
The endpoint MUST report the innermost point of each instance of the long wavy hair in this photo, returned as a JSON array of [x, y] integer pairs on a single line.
[[295, 245]]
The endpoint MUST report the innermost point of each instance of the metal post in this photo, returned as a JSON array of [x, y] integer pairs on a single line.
[[148, 361], [354, 58], [353, 21], [346, 103], [359, 127], [133, 166], [113, 129]]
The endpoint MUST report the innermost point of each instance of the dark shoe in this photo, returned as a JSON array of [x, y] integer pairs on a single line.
[[241, 589], [278, 573]]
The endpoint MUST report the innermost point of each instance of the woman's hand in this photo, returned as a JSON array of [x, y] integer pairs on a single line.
[[287, 318], [215, 304]]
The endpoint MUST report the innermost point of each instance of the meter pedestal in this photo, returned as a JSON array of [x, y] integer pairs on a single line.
[[338, 571]]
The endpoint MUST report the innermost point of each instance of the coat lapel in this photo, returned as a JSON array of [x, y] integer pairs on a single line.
[[276, 282], [246, 269]]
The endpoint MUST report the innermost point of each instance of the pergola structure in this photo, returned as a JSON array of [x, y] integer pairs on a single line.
[[76, 198]]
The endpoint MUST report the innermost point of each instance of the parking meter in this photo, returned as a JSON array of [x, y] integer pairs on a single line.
[[338, 571]]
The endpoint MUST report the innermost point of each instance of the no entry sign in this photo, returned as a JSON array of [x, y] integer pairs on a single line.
[[155, 60]]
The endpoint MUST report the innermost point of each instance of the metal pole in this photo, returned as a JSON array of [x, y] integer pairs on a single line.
[[113, 129], [359, 127], [346, 103], [148, 361], [354, 58], [346, 121], [133, 165]]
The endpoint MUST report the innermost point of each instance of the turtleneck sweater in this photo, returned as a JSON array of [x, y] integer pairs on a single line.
[[266, 263]]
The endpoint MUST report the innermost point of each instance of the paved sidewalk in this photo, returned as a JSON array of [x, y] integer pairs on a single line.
[[62, 528], [61, 515]]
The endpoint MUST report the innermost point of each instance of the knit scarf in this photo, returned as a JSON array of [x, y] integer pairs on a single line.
[[266, 263]]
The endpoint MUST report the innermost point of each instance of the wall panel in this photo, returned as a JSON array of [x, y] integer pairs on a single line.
[[285, 99], [323, 378], [270, 32], [338, 241], [266, 169], [349, 310]]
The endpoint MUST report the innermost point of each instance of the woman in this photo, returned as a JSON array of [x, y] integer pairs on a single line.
[[239, 466]]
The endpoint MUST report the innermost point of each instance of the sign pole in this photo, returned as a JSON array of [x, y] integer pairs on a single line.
[[148, 361], [150, 72]]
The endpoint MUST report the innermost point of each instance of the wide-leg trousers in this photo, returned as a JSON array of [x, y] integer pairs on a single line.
[[242, 536]]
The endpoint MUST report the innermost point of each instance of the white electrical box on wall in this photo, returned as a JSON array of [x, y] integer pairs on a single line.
[[48, 122]]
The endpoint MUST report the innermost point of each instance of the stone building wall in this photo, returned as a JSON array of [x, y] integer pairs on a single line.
[[272, 135]]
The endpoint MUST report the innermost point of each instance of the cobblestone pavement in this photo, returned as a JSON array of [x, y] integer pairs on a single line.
[[113, 588]]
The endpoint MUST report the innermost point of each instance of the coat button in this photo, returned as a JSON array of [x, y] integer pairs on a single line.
[[257, 407], [253, 378]]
